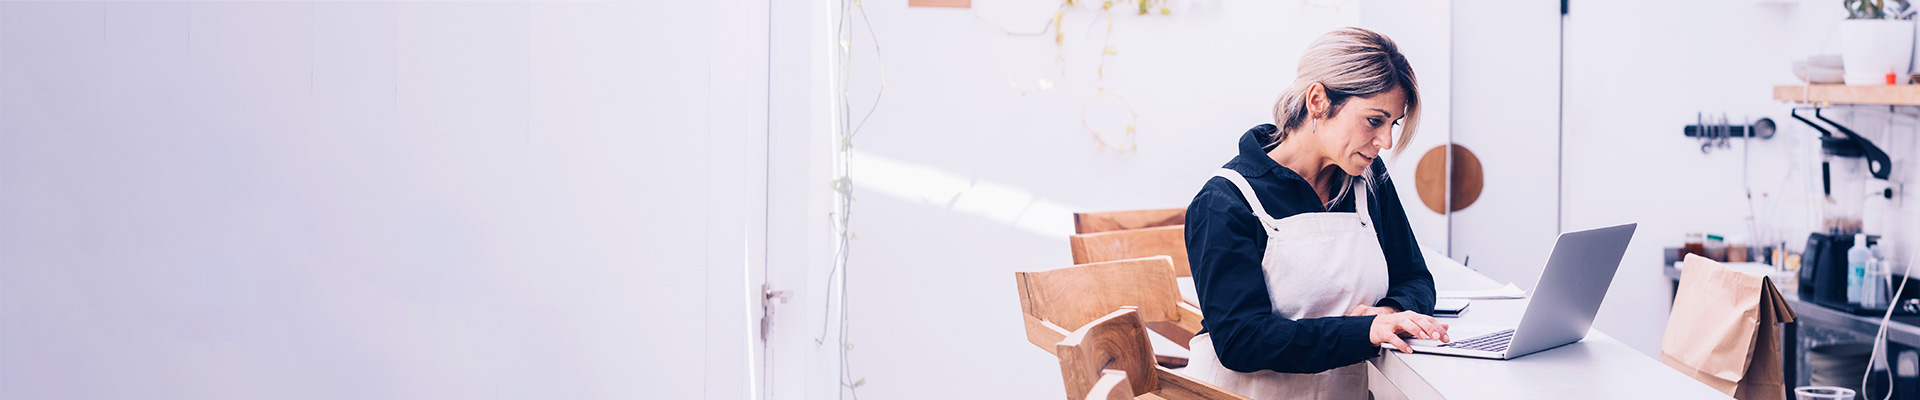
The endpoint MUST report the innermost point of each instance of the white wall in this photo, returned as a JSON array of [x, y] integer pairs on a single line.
[[962, 181], [372, 200], [1424, 32], [1634, 79]]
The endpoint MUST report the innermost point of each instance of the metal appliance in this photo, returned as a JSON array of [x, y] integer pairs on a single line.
[[1847, 162]]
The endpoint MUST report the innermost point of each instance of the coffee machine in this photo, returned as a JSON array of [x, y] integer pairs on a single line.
[[1823, 270], [1847, 162]]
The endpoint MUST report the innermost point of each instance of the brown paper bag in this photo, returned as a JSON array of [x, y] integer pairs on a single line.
[[1724, 332]]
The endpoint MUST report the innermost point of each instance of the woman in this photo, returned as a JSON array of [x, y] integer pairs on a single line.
[[1300, 249]]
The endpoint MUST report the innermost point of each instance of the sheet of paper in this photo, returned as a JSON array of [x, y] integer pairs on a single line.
[[1504, 292]]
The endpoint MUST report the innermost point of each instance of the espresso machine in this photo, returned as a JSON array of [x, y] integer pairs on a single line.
[[1847, 162]]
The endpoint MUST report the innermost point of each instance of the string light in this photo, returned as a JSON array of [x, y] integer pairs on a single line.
[[842, 185]]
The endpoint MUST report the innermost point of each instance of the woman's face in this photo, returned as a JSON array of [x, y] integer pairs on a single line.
[[1362, 129]]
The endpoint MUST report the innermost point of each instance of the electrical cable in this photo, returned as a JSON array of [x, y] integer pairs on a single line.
[[1010, 32], [1880, 336], [1100, 91], [840, 220]]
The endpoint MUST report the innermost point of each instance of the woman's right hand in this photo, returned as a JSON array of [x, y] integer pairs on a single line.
[[1387, 329]]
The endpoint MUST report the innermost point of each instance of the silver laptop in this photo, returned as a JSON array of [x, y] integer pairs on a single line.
[[1569, 293]]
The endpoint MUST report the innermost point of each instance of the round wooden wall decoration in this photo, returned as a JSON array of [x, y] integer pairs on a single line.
[[1430, 178]]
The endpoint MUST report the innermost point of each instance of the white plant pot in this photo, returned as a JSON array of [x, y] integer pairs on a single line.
[[1915, 64], [1872, 48]]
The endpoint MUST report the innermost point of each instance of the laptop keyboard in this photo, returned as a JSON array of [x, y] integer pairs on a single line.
[[1494, 342]]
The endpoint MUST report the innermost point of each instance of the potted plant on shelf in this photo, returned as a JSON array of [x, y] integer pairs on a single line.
[[1876, 45]]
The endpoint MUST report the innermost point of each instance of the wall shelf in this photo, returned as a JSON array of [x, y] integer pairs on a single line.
[[1897, 95]]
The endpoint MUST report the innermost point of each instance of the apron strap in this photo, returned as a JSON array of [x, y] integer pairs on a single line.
[[1356, 188], [1247, 192]]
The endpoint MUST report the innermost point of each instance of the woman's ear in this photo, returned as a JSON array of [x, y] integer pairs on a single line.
[[1317, 103]]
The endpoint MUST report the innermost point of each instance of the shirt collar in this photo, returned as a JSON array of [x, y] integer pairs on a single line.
[[1253, 160]]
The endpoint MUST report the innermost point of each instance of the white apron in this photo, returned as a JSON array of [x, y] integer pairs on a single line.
[[1317, 264]]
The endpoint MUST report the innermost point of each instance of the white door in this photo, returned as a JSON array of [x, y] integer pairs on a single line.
[[793, 249], [1506, 110]]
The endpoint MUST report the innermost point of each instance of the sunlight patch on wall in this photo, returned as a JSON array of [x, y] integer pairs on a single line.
[[993, 201]]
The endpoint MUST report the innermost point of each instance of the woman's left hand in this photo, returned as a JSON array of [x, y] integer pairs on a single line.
[[1364, 310]]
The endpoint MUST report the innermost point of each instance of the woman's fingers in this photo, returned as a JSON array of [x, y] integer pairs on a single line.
[[1385, 331], [1358, 310], [1439, 330], [1419, 326], [1407, 325], [1399, 344], [1427, 324], [1388, 327]]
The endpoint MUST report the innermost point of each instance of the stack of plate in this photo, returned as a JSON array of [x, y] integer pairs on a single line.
[[1824, 69], [1839, 364]]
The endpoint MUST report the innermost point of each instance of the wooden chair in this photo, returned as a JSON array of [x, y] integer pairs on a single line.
[[1123, 220], [1110, 359], [1170, 241], [1056, 302]]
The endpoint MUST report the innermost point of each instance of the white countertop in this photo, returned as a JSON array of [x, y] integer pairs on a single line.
[[1597, 367]]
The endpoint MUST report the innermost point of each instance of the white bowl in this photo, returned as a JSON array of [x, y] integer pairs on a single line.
[[1824, 60], [1823, 75], [1820, 75]]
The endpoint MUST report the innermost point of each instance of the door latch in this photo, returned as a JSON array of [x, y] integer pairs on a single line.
[[767, 298]]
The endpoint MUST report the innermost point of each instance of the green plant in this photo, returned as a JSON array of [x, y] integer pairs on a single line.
[[1865, 9]]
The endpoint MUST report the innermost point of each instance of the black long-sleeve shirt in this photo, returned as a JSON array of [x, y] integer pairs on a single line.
[[1225, 244]]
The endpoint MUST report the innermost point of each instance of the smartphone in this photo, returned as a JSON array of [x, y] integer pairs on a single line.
[[1450, 307]]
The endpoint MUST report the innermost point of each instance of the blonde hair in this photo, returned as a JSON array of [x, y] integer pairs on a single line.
[[1348, 62]]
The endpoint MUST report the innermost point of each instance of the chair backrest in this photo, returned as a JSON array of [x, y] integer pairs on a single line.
[[1170, 241], [1056, 302], [1122, 220], [1116, 342], [1110, 359]]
